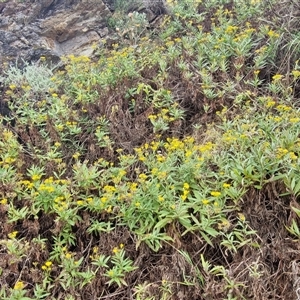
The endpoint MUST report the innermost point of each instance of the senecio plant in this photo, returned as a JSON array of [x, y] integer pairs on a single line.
[[153, 168]]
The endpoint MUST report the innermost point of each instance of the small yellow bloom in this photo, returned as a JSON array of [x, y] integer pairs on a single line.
[[47, 266], [270, 103], [215, 194], [226, 185], [272, 33], [13, 234], [205, 201], [60, 127], [9, 160], [48, 263], [294, 120], [76, 155], [293, 156], [296, 73], [277, 77], [3, 201], [186, 186], [183, 197], [242, 217], [36, 177], [142, 177], [19, 285], [160, 198]]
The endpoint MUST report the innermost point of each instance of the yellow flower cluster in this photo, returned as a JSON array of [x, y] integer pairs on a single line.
[[19, 285], [277, 77], [117, 179], [36, 177], [3, 201], [49, 188], [174, 144], [283, 107], [296, 73], [283, 152], [164, 114], [231, 29], [272, 34], [216, 194], [60, 203], [118, 249], [13, 235], [186, 191], [47, 266], [206, 147]]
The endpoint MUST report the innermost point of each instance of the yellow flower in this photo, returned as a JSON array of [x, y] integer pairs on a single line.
[[47, 266], [224, 225], [3, 201], [215, 194], [242, 217], [270, 103], [186, 186], [277, 77], [296, 73], [19, 285], [13, 234], [160, 198], [142, 177], [293, 156], [36, 177], [48, 263], [272, 33], [183, 197], [60, 127], [226, 185], [294, 120], [205, 201], [76, 155]]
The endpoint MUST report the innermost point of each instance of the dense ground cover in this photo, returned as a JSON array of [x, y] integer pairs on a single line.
[[166, 168]]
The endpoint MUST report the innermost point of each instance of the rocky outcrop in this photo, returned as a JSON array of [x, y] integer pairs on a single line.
[[30, 29], [51, 28]]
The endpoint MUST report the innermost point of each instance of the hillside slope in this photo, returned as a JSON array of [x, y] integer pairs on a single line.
[[167, 167]]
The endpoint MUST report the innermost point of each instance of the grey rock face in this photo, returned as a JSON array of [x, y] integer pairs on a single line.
[[30, 29], [51, 28]]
